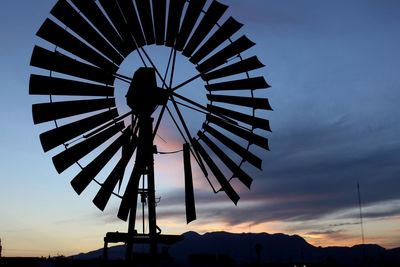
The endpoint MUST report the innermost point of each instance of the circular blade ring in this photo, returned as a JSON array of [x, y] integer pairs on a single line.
[[96, 43]]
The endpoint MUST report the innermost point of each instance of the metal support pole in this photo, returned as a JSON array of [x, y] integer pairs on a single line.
[[105, 250], [131, 232], [151, 199]]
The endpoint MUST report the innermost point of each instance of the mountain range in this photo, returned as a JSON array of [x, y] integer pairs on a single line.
[[272, 248]]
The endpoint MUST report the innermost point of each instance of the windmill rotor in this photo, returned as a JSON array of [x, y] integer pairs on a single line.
[[92, 39]]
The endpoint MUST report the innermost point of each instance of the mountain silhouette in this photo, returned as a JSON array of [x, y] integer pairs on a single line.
[[274, 248]]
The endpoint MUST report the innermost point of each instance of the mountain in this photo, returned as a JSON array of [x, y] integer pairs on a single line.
[[278, 248]]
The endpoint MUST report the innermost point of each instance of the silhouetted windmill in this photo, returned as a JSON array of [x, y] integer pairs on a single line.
[[92, 39]]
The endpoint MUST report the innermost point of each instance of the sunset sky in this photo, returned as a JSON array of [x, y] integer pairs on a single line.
[[334, 70]]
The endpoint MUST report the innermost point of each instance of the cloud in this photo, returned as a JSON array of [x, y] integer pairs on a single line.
[[312, 173], [327, 232], [374, 211], [344, 224]]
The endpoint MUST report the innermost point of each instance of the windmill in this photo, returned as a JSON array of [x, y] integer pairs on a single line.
[[92, 39]]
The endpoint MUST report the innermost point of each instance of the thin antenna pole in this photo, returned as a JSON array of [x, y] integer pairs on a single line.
[[362, 224], [361, 216]]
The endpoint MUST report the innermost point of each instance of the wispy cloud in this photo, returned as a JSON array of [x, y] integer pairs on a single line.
[[327, 232]]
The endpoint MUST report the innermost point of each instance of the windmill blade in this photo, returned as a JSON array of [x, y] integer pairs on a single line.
[[210, 19], [54, 61], [235, 169], [58, 36], [131, 17], [92, 12], [159, 13], [44, 112], [239, 67], [88, 173], [251, 102], [255, 122], [251, 137], [62, 134], [144, 10], [65, 159], [114, 13], [129, 199], [45, 85], [116, 175], [174, 20], [191, 16], [189, 194], [127, 151], [65, 13], [221, 35], [108, 124], [221, 57], [244, 84], [225, 185], [234, 146]]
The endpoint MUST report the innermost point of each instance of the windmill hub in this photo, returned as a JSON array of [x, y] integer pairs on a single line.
[[143, 95]]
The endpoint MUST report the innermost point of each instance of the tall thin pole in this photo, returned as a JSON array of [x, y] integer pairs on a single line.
[[361, 216], [143, 199], [361, 224], [151, 199]]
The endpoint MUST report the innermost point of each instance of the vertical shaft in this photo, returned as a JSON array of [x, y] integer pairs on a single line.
[[131, 233], [361, 216], [143, 199], [361, 223], [151, 200], [105, 250]]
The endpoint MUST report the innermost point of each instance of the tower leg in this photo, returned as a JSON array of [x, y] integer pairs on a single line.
[[147, 128], [105, 250], [152, 217], [132, 218], [129, 243]]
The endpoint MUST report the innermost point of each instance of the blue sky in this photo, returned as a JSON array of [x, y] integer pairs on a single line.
[[334, 70]]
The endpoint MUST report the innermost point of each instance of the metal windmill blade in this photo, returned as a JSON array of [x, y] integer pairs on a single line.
[[88, 42]]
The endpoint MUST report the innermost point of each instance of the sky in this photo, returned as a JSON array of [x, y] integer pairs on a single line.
[[334, 71]]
